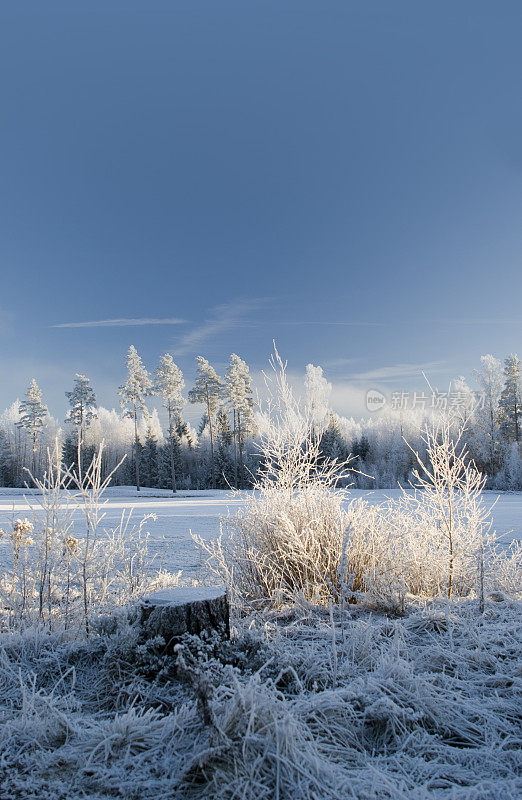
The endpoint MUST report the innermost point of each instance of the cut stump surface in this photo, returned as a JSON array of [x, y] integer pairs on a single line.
[[191, 609]]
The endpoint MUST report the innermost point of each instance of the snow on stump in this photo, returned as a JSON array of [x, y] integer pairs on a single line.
[[191, 609]]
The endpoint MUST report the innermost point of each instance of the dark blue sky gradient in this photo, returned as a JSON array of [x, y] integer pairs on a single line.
[[260, 170]]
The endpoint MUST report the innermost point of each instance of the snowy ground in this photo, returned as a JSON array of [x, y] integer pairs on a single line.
[[201, 511], [303, 704], [300, 705]]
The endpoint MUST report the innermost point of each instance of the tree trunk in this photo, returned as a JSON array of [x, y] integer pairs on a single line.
[[136, 450], [212, 477], [171, 613], [34, 453], [80, 443], [235, 450], [172, 470], [241, 468]]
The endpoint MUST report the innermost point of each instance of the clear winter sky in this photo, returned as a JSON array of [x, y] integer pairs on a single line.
[[344, 177]]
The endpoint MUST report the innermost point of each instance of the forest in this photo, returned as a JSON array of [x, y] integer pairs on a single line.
[[147, 442]]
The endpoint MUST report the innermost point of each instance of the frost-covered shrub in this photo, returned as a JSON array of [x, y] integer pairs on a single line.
[[60, 580], [299, 534]]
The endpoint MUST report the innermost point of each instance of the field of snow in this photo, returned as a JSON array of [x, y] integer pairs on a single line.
[[200, 512]]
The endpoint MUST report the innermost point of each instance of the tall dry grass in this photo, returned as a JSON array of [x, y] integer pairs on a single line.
[[67, 565]]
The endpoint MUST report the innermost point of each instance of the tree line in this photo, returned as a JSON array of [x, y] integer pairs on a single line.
[[212, 457], [223, 452]]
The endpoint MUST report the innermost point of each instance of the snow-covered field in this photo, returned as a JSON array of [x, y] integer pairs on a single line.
[[304, 703], [201, 511]]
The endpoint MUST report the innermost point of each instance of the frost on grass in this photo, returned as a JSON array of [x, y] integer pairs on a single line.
[[302, 703]]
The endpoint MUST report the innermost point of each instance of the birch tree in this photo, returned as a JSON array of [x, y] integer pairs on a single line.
[[207, 390], [32, 416], [169, 384], [133, 392]]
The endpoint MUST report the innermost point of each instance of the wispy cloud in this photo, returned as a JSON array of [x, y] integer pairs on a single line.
[[399, 371], [483, 321], [222, 319], [120, 323], [337, 363], [350, 324]]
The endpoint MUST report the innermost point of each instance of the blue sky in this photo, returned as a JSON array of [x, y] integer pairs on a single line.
[[343, 177]]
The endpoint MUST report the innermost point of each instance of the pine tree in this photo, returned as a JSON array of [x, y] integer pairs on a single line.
[[510, 404], [32, 416], [83, 410], [133, 392], [169, 385], [238, 392], [207, 390]]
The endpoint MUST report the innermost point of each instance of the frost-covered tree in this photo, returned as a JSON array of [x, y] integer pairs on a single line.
[[32, 416], [207, 390], [509, 475], [169, 384], [463, 402], [317, 397], [223, 462], [82, 401], [133, 392], [238, 394], [149, 455], [490, 379], [117, 434], [510, 404]]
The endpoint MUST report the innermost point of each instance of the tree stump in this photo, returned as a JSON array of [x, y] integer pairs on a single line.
[[192, 609]]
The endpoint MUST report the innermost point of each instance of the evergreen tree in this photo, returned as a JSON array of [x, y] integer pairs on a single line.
[[223, 430], [238, 393], [70, 450], [361, 448], [207, 391], [82, 411], [7, 462], [32, 415], [168, 452], [203, 424], [133, 392], [510, 404], [149, 459], [185, 433], [224, 464], [332, 442], [169, 385]]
